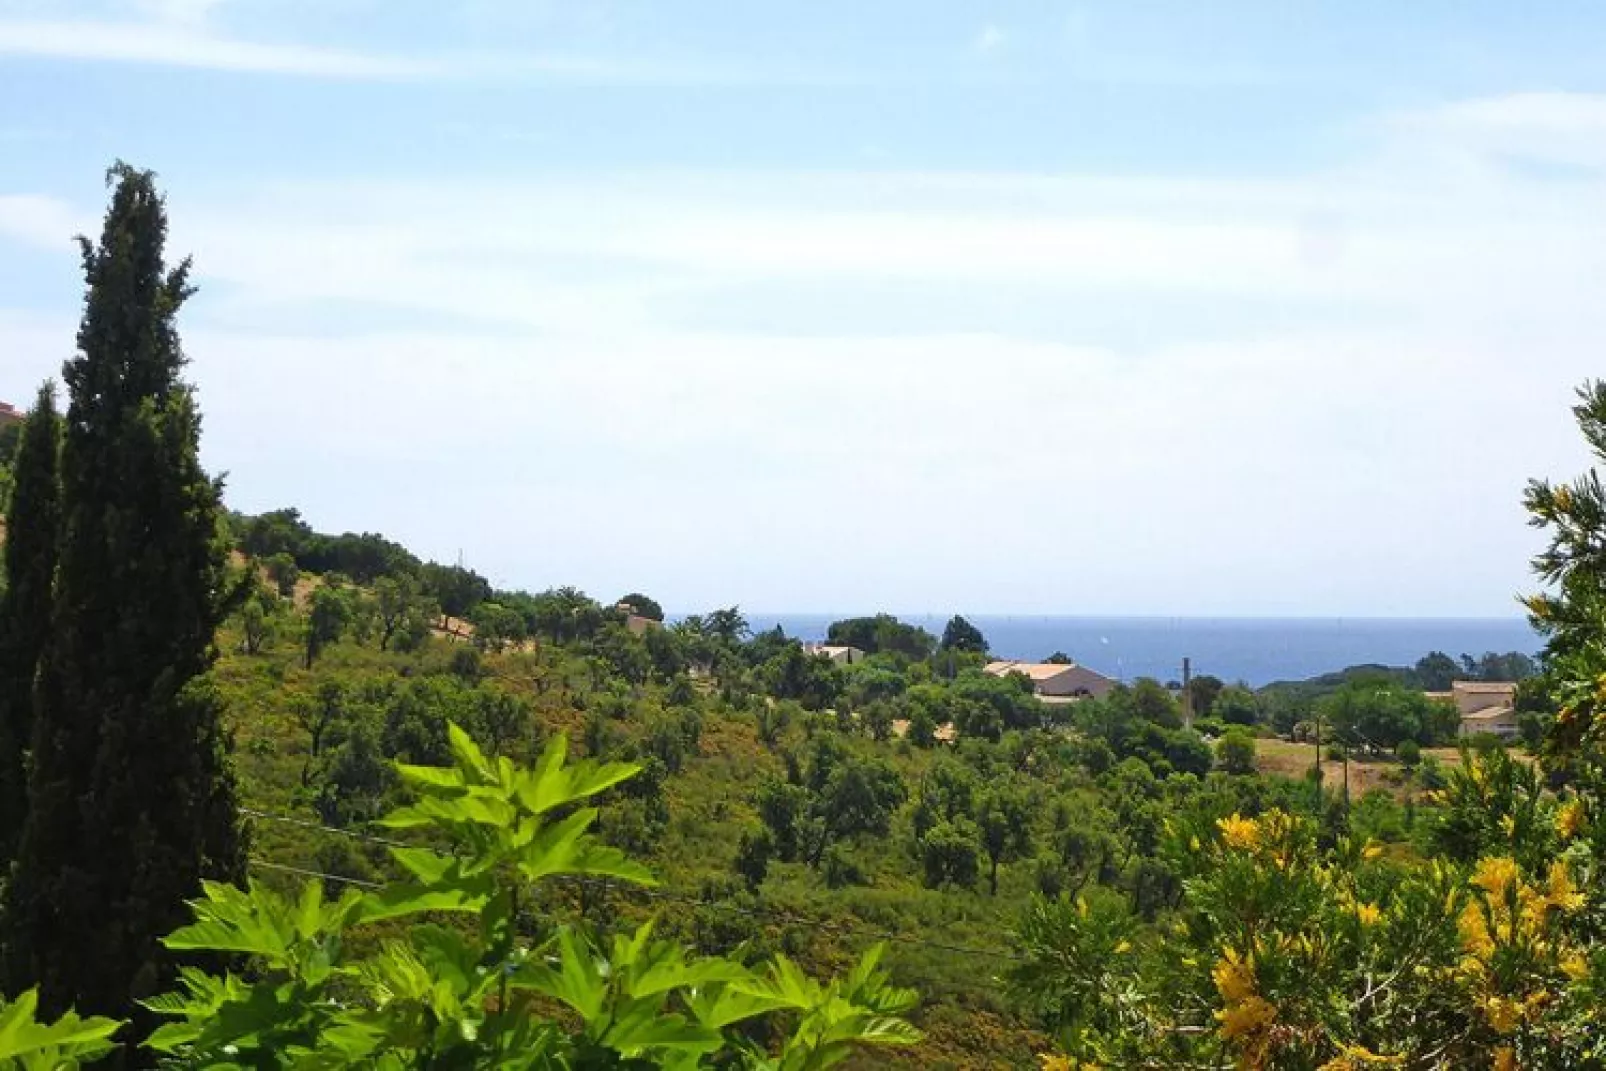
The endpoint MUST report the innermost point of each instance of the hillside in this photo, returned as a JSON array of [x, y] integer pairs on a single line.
[[746, 740]]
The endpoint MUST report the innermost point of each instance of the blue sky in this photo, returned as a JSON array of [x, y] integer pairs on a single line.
[[1147, 308]]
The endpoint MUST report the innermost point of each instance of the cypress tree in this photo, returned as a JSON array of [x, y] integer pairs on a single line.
[[32, 521], [131, 798]]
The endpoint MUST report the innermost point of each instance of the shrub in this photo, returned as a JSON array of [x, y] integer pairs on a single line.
[[1235, 752]]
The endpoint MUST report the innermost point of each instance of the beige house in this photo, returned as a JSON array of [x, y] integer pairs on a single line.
[[10, 414], [1056, 681], [841, 656], [638, 624], [1486, 707]]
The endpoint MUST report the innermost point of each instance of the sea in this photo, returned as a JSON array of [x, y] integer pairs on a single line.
[[1255, 650]]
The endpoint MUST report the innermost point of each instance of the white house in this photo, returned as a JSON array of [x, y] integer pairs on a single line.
[[1486, 707], [1060, 681], [841, 656]]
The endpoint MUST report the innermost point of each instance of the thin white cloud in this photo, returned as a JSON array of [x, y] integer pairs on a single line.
[[176, 44], [44, 222], [192, 12], [584, 330], [990, 39], [178, 33]]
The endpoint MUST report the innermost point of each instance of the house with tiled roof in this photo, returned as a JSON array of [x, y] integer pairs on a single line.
[[1486, 707], [1056, 681]]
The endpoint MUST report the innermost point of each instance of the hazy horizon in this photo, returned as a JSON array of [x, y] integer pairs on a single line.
[[1043, 307]]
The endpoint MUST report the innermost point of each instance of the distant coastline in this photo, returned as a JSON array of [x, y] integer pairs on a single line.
[[1258, 650]]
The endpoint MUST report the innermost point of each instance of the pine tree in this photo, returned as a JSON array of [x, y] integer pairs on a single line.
[[131, 798], [32, 522]]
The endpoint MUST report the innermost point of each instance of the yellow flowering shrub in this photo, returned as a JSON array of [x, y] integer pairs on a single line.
[[1289, 954]]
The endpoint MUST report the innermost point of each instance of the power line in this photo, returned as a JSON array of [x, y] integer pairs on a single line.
[[267, 865], [648, 891], [303, 823]]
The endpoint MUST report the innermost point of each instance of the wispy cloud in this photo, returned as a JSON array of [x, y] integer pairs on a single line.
[[676, 336], [44, 222], [181, 35], [177, 43], [990, 39]]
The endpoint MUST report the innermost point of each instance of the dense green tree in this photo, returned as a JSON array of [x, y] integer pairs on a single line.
[[810, 679], [270, 535], [1060, 658], [401, 612], [331, 614], [1236, 705], [727, 626], [1511, 666], [1436, 671], [882, 633], [1151, 702], [1004, 818], [1202, 693], [948, 790], [753, 853], [132, 801], [32, 538], [922, 728], [284, 572], [950, 853], [1235, 752], [457, 589], [643, 606], [496, 626], [1379, 716], [256, 625], [961, 635]]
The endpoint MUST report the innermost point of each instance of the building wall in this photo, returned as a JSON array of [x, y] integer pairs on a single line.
[[1503, 726]]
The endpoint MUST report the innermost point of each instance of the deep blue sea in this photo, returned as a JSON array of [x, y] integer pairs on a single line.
[[1258, 650]]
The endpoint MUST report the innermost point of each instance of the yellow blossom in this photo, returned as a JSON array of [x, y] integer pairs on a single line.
[[1246, 1018], [1368, 914], [1561, 893], [1053, 1061], [1239, 832], [1570, 819], [1505, 1059], [1474, 930], [1124, 946], [1503, 1014], [1575, 966], [1495, 875], [1234, 977], [1357, 1057], [1508, 825], [1372, 850]]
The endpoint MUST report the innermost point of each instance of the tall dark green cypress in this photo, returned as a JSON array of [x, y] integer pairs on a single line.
[[32, 533], [131, 797]]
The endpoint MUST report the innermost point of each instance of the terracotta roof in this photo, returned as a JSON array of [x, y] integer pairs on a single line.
[[1037, 671]]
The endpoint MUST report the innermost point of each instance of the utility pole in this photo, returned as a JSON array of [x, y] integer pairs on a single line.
[[1187, 691], [1318, 760]]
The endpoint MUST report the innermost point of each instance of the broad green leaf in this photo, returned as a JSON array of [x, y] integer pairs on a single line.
[[577, 979], [430, 776], [406, 898], [645, 1027], [470, 759], [429, 867]]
